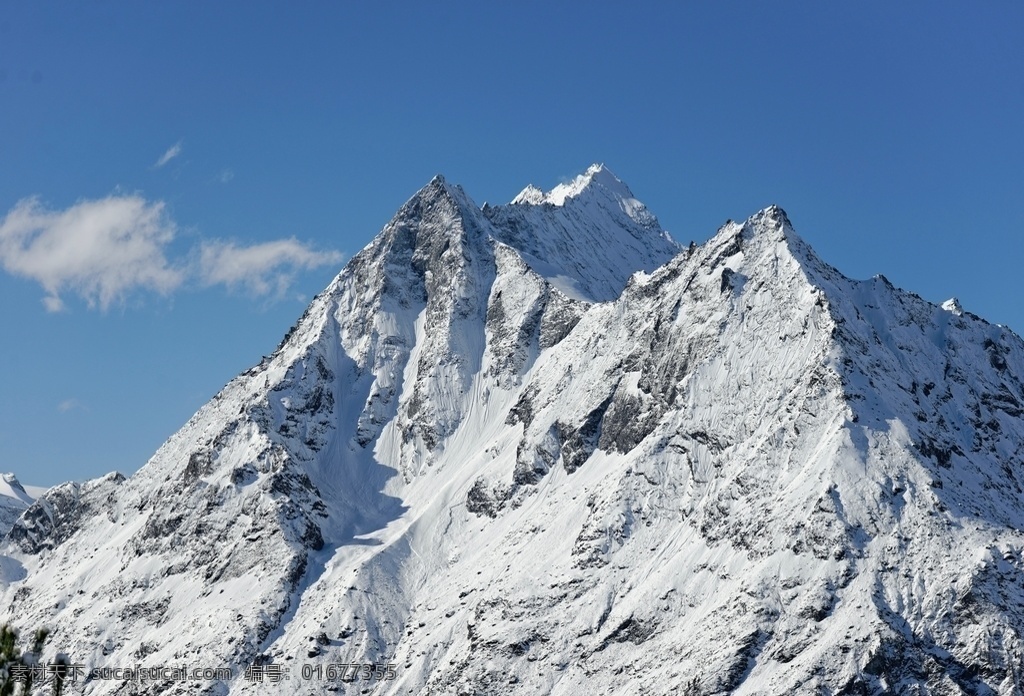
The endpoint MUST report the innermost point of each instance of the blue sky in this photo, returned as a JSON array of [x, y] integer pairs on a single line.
[[177, 180]]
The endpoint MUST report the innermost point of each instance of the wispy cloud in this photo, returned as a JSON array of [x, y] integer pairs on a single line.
[[172, 152], [225, 176], [105, 250], [70, 405], [261, 269]]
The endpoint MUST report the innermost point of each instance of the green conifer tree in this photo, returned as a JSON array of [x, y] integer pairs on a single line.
[[16, 666]]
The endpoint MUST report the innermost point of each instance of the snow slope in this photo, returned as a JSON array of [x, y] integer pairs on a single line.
[[540, 449]]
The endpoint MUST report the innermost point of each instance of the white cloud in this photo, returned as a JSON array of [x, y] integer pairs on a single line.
[[172, 152], [261, 269], [107, 249], [225, 176], [101, 249], [53, 304], [70, 404]]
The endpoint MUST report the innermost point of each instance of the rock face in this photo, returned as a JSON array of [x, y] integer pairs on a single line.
[[541, 449]]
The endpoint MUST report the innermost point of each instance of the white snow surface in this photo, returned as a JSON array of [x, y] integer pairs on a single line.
[[14, 499], [540, 449]]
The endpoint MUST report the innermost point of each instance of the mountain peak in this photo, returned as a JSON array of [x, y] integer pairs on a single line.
[[596, 177], [776, 213], [531, 195], [13, 499], [438, 186], [587, 236], [773, 218], [441, 202], [953, 306], [12, 488]]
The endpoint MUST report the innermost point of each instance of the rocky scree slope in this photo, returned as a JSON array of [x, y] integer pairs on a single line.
[[539, 448]]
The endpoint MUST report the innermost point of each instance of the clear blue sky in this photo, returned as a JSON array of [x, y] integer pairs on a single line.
[[178, 179]]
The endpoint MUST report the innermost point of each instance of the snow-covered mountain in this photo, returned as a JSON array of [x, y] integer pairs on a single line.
[[539, 448]]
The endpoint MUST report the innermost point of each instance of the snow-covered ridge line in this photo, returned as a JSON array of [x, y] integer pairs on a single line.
[[14, 499], [597, 175]]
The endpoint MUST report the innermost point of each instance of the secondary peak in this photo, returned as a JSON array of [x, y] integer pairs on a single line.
[[596, 177]]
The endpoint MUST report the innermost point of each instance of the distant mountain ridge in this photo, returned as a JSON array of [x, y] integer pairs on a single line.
[[14, 499], [540, 448]]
